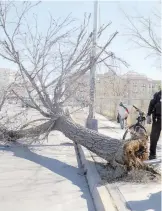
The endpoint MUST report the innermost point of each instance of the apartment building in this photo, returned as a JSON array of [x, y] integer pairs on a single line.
[[131, 84], [140, 86], [4, 78]]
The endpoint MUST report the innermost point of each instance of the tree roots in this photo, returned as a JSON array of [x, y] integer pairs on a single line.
[[135, 152]]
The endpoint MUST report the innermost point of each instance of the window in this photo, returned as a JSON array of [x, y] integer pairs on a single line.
[[144, 87]]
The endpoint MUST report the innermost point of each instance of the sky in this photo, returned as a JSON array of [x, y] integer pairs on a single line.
[[108, 11]]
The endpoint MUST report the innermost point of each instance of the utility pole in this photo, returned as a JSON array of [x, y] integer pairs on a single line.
[[91, 121]]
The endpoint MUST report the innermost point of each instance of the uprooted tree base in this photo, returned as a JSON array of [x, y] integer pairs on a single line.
[[134, 176], [121, 156]]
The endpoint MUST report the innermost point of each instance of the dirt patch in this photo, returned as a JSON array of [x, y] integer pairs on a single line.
[[133, 176]]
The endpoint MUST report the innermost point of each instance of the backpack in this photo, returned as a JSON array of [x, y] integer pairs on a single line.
[[157, 108]]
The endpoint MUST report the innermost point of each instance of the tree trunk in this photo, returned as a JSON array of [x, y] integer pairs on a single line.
[[101, 145], [120, 155]]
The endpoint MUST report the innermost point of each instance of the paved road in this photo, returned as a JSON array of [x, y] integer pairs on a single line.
[[43, 178]]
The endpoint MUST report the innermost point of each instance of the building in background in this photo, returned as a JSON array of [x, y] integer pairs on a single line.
[[12, 80], [130, 88], [139, 85], [77, 93], [5, 78], [130, 85]]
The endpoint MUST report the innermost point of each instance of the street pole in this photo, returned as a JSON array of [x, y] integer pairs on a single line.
[[91, 121]]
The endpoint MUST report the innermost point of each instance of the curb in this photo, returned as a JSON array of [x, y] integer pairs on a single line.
[[106, 197], [101, 197]]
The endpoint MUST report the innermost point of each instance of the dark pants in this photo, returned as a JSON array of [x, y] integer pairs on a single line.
[[121, 121], [155, 134]]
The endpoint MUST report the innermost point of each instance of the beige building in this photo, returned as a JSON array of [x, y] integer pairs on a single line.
[[10, 78], [140, 86], [129, 85], [5, 78], [78, 91], [131, 88]]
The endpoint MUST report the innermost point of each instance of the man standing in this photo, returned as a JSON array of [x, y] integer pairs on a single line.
[[154, 110], [122, 114]]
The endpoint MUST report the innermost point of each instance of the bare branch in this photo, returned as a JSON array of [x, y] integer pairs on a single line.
[[146, 34]]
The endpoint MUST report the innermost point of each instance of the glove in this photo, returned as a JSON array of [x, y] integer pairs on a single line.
[[148, 119]]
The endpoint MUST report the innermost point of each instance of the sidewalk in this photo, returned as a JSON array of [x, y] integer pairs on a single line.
[[135, 196], [43, 178], [138, 197]]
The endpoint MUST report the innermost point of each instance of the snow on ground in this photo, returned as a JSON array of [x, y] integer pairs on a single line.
[[44, 178]]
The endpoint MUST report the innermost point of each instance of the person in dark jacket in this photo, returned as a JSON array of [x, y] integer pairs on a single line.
[[154, 110]]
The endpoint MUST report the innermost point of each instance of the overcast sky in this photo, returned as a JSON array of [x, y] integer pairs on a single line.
[[108, 11]]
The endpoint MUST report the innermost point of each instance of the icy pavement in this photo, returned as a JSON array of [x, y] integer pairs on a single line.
[[43, 178]]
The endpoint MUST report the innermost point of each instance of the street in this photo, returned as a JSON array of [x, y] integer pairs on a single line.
[[43, 177]]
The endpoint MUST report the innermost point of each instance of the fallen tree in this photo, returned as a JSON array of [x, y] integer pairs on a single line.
[[51, 67], [122, 156]]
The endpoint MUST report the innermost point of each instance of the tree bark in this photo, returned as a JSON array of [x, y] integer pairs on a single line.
[[120, 155], [101, 145]]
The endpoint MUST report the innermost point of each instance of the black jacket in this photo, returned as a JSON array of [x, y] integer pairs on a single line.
[[156, 99]]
